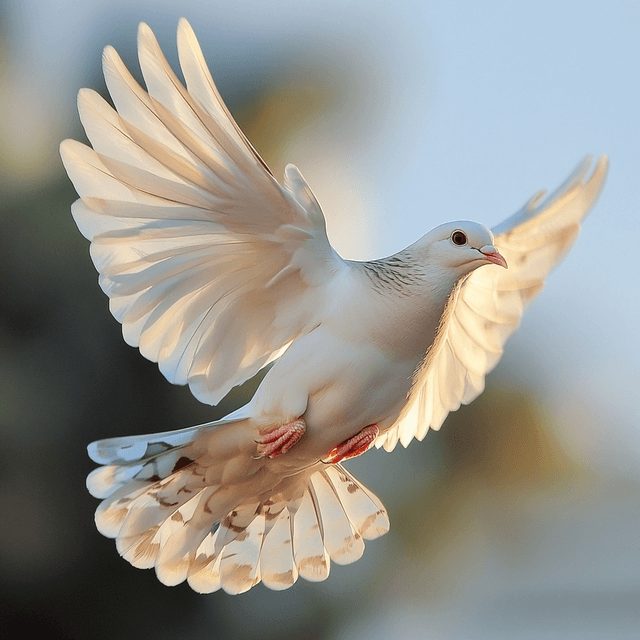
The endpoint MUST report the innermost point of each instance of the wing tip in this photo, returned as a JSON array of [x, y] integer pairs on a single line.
[[109, 53], [112, 64], [65, 148], [598, 172], [147, 41], [84, 93], [601, 170], [144, 30], [589, 179], [579, 182], [189, 47], [185, 26], [71, 153]]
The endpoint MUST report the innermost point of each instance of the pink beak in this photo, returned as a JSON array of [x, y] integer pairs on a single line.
[[493, 255]]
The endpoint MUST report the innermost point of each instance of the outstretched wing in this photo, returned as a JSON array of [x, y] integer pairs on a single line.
[[488, 306], [211, 266]]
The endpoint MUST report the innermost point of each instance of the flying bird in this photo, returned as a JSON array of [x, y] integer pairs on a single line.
[[216, 271]]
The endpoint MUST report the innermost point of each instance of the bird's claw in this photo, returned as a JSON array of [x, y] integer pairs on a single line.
[[279, 440], [355, 446]]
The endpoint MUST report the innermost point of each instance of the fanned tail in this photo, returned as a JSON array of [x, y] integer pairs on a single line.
[[197, 506]]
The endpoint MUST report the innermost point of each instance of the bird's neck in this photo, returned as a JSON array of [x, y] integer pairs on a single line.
[[408, 300], [403, 275]]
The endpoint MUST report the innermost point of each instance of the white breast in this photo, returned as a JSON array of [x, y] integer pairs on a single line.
[[346, 375]]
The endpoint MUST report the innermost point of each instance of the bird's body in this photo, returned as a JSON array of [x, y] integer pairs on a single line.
[[356, 368], [216, 271]]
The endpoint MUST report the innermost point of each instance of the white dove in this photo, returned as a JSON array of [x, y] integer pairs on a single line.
[[215, 271]]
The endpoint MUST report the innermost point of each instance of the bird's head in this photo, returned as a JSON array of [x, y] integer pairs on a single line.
[[462, 246]]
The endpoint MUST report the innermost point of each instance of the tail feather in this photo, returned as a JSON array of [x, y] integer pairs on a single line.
[[364, 509], [239, 567], [342, 540], [277, 564], [106, 481], [112, 512], [197, 506], [312, 558], [178, 538], [134, 448]]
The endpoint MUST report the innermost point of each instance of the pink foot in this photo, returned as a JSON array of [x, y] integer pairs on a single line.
[[355, 446], [281, 439]]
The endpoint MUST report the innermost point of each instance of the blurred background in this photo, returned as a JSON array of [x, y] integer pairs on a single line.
[[519, 519]]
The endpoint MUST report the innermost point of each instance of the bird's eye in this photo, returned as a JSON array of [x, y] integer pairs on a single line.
[[459, 238]]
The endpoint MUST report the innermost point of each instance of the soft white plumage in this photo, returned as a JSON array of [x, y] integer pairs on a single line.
[[215, 270]]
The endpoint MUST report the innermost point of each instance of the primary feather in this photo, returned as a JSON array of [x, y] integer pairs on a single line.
[[215, 270], [206, 259]]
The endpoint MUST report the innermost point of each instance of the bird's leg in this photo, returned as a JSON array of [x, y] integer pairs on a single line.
[[355, 446], [279, 440]]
